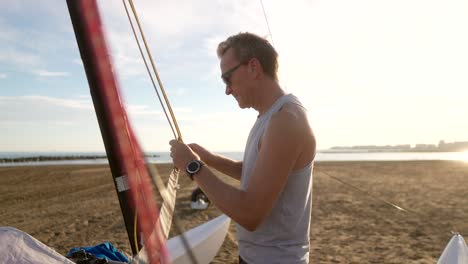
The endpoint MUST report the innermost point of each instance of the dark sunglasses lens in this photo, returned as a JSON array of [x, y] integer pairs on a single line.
[[225, 80]]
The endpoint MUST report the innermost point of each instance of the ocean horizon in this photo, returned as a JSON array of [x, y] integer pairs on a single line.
[[69, 158]]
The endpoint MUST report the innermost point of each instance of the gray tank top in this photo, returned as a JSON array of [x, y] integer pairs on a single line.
[[283, 237]]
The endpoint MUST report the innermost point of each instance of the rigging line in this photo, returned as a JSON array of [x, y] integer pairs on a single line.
[[148, 70], [421, 216], [155, 183], [155, 71], [368, 194], [268, 25], [341, 181], [135, 229], [156, 180]]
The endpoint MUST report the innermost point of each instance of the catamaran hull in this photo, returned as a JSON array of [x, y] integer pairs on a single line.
[[456, 251], [204, 241]]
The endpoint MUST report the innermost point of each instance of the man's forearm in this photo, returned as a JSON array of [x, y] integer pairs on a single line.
[[225, 165], [229, 199]]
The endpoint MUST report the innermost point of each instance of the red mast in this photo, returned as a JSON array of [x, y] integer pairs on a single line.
[[131, 178]]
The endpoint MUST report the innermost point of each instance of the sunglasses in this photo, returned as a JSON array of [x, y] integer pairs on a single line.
[[226, 76]]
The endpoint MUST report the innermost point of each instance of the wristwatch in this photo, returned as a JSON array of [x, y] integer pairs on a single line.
[[194, 167]]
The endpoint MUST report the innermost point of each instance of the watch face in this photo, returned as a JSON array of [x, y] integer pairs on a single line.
[[193, 167]]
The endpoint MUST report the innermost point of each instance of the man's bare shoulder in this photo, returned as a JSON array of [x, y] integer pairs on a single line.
[[292, 127], [291, 115]]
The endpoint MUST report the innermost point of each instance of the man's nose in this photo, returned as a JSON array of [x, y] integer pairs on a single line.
[[228, 89]]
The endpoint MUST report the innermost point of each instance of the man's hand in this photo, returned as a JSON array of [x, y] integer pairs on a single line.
[[181, 154]]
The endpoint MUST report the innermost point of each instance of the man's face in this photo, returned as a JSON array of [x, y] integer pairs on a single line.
[[234, 75]]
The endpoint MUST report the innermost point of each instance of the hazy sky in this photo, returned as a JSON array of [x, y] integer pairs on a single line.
[[369, 71]]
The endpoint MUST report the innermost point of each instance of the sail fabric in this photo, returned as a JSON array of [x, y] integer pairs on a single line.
[[17, 246], [166, 212]]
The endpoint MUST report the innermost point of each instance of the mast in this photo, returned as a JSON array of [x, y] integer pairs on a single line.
[[131, 178], [104, 118]]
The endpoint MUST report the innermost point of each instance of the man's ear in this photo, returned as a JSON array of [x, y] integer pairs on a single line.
[[255, 66]]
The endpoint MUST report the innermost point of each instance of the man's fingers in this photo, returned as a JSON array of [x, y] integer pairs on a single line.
[[172, 142]]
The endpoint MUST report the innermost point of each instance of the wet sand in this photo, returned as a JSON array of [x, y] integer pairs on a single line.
[[76, 205]]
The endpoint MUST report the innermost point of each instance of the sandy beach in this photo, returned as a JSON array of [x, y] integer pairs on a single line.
[[76, 205]]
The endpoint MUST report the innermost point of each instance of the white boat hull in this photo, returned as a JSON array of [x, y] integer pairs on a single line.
[[204, 241], [456, 251]]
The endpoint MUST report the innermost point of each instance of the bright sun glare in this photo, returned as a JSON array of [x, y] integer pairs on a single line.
[[462, 156]]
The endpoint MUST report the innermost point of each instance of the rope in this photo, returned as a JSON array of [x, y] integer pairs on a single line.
[[393, 205], [369, 194], [135, 230], [366, 193], [148, 70], [155, 71], [351, 185], [163, 191], [268, 25]]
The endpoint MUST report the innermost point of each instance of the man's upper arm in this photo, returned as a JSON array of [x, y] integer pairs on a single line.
[[280, 148]]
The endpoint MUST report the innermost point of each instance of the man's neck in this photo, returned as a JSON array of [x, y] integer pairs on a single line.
[[269, 92]]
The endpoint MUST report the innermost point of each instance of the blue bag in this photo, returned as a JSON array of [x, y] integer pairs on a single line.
[[104, 250]]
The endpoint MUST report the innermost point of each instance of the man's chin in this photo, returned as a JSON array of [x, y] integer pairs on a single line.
[[241, 104]]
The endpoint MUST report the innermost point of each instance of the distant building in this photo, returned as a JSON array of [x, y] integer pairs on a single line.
[[441, 147], [425, 147], [455, 146], [402, 147]]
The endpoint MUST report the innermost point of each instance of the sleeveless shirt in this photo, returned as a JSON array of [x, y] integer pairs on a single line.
[[283, 237]]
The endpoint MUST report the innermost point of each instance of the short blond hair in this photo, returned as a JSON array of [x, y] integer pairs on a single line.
[[247, 46]]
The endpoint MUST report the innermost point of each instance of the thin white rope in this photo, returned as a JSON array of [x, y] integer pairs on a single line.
[[268, 24]]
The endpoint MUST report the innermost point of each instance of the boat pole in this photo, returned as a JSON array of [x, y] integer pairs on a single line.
[[104, 116], [131, 177]]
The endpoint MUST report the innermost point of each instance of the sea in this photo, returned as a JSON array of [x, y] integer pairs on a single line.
[[164, 157]]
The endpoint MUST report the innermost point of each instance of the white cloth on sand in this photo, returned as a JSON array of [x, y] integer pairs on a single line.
[[19, 247]]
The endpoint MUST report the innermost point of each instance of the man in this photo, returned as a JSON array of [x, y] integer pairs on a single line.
[[272, 207]]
